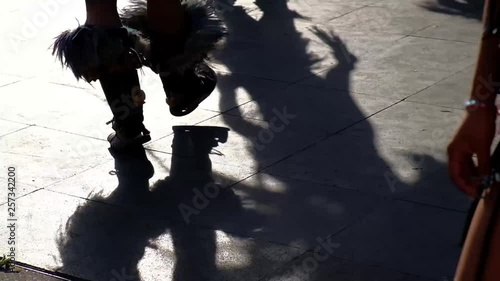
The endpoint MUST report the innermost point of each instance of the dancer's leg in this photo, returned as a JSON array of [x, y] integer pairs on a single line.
[[119, 88], [169, 25], [166, 17], [102, 13]]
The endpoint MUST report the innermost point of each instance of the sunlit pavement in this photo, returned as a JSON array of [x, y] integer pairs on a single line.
[[328, 163]]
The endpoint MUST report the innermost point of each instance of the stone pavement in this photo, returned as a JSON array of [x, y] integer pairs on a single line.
[[320, 156]]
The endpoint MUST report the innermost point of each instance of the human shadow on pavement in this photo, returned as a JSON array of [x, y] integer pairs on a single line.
[[350, 173], [317, 115], [276, 206], [103, 242], [472, 9]]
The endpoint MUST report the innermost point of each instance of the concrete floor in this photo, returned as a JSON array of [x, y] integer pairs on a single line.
[[323, 149]]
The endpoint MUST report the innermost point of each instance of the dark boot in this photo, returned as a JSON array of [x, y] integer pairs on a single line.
[[111, 56], [126, 99], [181, 62], [133, 166], [185, 91], [191, 148]]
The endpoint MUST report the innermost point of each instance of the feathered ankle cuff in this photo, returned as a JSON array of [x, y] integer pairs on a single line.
[[91, 51], [204, 31]]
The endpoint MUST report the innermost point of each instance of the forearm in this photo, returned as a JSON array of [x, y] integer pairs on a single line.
[[487, 75], [486, 78]]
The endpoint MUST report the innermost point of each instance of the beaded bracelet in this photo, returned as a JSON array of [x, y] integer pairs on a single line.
[[475, 103], [472, 105]]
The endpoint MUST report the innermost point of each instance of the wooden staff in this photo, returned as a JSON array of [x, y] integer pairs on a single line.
[[480, 257]]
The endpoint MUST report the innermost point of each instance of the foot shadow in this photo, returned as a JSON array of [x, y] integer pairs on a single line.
[[472, 9], [107, 237]]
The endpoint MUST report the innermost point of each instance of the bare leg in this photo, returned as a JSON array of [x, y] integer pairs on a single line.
[[119, 87], [166, 17], [102, 13]]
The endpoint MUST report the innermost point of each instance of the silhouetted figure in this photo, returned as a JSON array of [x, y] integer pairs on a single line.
[[107, 243]]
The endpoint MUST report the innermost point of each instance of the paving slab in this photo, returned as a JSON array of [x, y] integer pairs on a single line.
[[8, 79], [22, 274], [102, 180], [389, 16], [430, 54], [450, 92], [397, 147], [235, 90], [351, 47], [309, 268], [29, 32], [300, 113], [231, 91], [36, 101], [455, 9], [7, 127], [97, 241], [63, 76], [270, 54], [286, 211], [408, 66], [19, 189], [436, 190], [469, 31], [29, 58], [379, 188], [327, 110], [43, 156], [85, 111], [428, 235], [305, 10], [253, 143], [262, 207], [265, 60]]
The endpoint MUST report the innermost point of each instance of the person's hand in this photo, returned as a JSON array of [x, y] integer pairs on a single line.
[[474, 137]]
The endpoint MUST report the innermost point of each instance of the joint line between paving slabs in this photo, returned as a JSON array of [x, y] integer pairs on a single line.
[[23, 128], [328, 136], [350, 12], [311, 250], [357, 122], [440, 39], [71, 86], [11, 83], [74, 175], [415, 31], [444, 107], [24, 195], [66, 132], [435, 83], [339, 131], [430, 206], [284, 267]]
